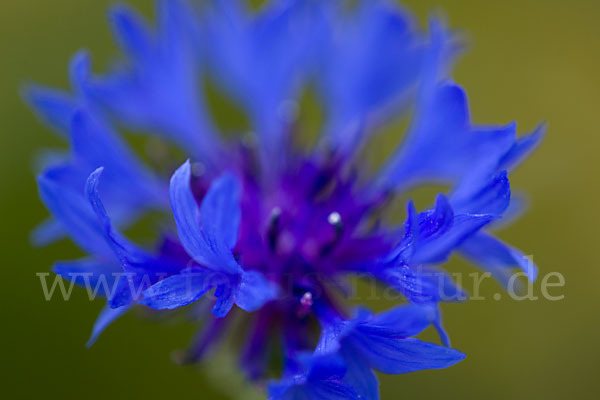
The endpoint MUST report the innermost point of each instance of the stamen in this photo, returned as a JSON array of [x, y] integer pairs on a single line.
[[273, 227], [306, 300], [335, 219]]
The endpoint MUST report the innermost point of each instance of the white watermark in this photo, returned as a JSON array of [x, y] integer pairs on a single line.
[[415, 283]]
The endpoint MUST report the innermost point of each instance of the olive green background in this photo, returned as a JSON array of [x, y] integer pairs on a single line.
[[527, 61]]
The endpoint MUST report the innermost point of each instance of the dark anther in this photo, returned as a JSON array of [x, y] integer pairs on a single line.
[[273, 227]]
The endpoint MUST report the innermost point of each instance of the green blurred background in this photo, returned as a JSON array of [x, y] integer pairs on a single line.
[[528, 61]]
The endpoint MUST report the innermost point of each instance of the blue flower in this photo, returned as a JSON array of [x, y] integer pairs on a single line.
[[261, 226]]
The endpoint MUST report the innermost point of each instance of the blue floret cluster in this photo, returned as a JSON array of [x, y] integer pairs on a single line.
[[258, 229]]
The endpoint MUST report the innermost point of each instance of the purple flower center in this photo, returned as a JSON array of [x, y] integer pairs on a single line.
[[304, 230]]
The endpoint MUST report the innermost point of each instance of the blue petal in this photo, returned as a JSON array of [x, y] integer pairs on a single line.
[[220, 212], [395, 355], [439, 249], [421, 227], [128, 254], [131, 286], [439, 327], [523, 147], [432, 235], [371, 63], [498, 258], [225, 294], [360, 376], [255, 290], [131, 32], [190, 285], [47, 232], [79, 71], [442, 145], [491, 198], [329, 390], [332, 334], [180, 290], [441, 231], [143, 269], [320, 367], [94, 275], [53, 107], [208, 233], [46, 158], [262, 59], [163, 67], [177, 22], [319, 378], [95, 145], [519, 202], [106, 317], [436, 222], [406, 320], [74, 213], [422, 285], [281, 391], [400, 322], [382, 342]]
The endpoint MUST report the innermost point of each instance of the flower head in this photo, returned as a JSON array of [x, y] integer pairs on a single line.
[[262, 226]]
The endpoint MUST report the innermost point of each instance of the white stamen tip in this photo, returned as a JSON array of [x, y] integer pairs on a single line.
[[334, 218], [306, 299]]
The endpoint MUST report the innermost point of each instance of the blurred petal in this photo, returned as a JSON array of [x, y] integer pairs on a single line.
[[443, 146], [94, 145], [47, 232], [255, 291], [159, 91], [106, 317], [53, 107], [261, 60], [97, 276], [74, 213], [372, 60], [131, 32]]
